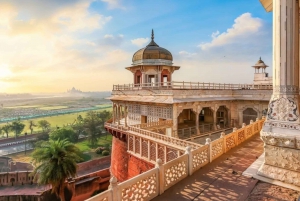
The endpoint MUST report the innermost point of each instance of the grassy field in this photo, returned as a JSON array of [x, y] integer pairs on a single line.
[[88, 151], [24, 106], [53, 107], [59, 120], [84, 146]]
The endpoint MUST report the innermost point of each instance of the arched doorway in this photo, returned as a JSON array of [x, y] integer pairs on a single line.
[[206, 120], [222, 117], [248, 115], [186, 124]]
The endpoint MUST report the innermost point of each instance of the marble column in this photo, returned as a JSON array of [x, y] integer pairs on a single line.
[[119, 113], [215, 118], [281, 131], [114, 113], [197, 122], [126, 114], [175, 123]]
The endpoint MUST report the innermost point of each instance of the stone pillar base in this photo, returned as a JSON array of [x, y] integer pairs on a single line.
[[276, 173]]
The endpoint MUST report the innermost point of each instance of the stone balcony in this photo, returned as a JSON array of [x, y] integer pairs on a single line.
[[177, 92], [191, 158]]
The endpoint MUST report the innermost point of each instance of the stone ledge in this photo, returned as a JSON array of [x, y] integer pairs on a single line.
[[252, 171]]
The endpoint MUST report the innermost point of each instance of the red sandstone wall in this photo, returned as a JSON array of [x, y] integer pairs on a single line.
[[124, 165], [137, 166], [119, 159]]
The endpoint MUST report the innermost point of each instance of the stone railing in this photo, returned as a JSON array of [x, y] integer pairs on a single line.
[[150, 149], [174, 171], [143, 187], [154, 124], [188, 85], [104, 196], [154, 182], [199, 158], [163, 138]]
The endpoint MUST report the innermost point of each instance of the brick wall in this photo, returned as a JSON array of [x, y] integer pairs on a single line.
[[137, 166], [124, 165], [119, 159]]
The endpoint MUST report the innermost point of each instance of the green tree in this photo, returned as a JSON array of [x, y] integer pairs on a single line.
[[92, 125], [64, 133], [56, 161], [31, 125], [78, 127], [6, 129], [79, 118], [17, 126], [104, 116], [44, 125]]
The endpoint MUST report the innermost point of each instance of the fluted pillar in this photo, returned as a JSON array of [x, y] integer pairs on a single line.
[[281, 131]]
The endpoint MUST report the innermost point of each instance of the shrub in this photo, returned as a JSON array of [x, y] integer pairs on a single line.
[[64, 133], [105, 153], [99, 150]]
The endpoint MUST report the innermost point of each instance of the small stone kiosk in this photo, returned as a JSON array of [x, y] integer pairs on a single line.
[[281, 130], [261, 77]]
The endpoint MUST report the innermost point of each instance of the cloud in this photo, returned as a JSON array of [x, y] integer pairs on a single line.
[[140, 42], [228, 57], [113, 4], [50, 51], [68, 16], [187, 54], [244, 26]]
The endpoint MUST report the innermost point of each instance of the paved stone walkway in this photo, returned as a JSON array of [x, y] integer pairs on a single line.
[[222, 179]]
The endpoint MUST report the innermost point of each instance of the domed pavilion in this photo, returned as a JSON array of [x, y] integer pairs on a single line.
[[152, 65]]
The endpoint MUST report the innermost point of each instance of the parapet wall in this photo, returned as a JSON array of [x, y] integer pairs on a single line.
[[124, 165]]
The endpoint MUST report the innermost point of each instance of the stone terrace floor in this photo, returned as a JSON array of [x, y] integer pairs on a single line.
[[223, 180]]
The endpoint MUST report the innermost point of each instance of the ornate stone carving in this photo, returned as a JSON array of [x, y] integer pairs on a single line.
[[175, 173], [283, 109], [230, 142], [141, 190], [217, 149], [286, 89], [241, 136], [279, 140], [286, 125], [200, 158], [152, 151], [248, 131], [282, 157], [280, 174]]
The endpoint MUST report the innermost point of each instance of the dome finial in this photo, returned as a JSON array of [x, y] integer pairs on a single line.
[[152, 35]]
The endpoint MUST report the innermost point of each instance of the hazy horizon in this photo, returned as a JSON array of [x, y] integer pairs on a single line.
[[51, 46]]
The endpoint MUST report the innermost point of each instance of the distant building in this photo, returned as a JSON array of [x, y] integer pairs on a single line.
[[260, 75], [74, 90]]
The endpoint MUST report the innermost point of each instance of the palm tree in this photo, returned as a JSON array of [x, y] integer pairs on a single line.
[[6, 129], [55, 161]]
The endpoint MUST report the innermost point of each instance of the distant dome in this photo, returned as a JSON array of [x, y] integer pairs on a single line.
[[152, 54], [260, 63]]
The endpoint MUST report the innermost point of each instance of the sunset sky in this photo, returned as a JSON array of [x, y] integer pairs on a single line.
[[53, 45]]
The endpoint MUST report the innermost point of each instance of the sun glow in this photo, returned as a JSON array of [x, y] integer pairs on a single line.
[[4, 71], [4, 74]]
